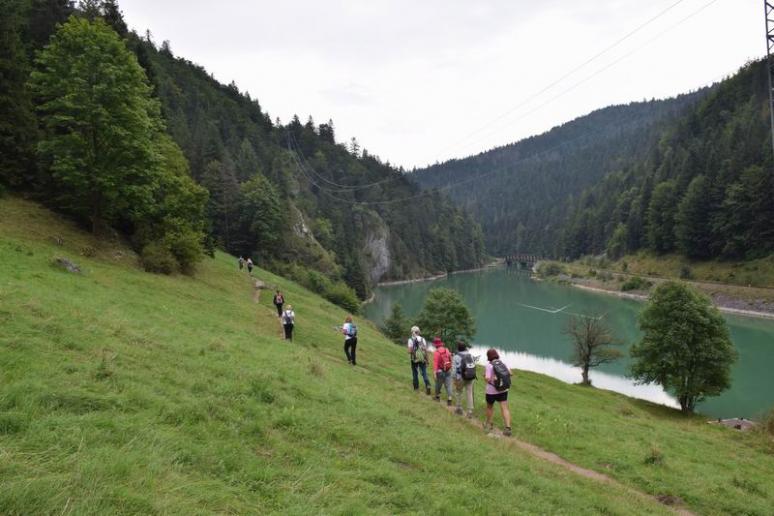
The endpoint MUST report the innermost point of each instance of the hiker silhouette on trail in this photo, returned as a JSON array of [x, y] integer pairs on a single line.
[[349, 329], [288, 322], [417, 349], [250, 265], [241, 262], [464, 366], [442, 367], [279, 300], [498, 381]]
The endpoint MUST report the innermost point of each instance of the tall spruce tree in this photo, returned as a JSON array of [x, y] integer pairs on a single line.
[[661, 218], [17, 121], [692, 224]]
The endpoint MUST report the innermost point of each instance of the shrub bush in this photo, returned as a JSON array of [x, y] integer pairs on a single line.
[[335, 291], [156, 257], [636, 283], [186, 247], [547, 269]]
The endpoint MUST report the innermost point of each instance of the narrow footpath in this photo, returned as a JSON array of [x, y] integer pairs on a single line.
[[553, 458], [545, 455]]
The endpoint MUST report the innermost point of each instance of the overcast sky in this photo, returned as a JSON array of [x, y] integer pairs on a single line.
[[419, 81]]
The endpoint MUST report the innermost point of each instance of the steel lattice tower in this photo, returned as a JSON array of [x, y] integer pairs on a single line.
[[769, 8]]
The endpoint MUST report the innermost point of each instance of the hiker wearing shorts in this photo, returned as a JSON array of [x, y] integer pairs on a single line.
[[442, 367], [279, 300], [495, 375], [288, 322], [350, 339], [417, 350], [464, 366]]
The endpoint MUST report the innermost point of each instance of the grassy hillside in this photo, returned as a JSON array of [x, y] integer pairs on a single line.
[[125, 392]]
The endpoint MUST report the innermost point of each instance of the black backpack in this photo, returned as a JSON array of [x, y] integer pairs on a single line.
[[467, 366], [502, 376]]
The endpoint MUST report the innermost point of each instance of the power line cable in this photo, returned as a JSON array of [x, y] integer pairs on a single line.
[[568, 74], [550, 150], [601, 70], [333, 183], [430, 192]]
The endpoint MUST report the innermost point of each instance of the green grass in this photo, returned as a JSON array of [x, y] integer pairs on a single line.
[[751, 273], [125, 392]]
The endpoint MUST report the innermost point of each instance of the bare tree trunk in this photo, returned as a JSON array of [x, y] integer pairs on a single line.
[[586, 380]]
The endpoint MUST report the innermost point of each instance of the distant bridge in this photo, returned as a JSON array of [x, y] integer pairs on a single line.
[[522, 260]]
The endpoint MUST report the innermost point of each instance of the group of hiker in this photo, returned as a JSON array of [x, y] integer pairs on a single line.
[[249, 263], [288, 319], [455, 373], [459, 371]]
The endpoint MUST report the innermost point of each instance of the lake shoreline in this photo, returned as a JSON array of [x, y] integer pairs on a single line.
[[642, 298], [438, 276], [523, 317]]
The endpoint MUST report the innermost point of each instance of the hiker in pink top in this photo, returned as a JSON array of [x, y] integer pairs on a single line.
[[498, 381], [442, 366]]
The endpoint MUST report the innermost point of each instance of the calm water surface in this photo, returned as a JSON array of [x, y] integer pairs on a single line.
[[512, 314]]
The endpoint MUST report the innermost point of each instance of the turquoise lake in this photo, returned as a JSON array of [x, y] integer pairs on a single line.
[[524, 319]]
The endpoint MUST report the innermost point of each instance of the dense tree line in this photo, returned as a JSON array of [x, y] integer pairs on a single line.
[[522, 193], [103, 124], [705, 191], [85, 135]]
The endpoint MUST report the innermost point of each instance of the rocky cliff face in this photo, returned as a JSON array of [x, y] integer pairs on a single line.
[[377, 249]]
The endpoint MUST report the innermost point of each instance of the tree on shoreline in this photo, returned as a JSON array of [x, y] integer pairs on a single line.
[[444, 314], [686, 347], [396, 326], [592, 343]]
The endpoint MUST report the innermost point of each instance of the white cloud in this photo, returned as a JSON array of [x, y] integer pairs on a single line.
[[410, 79]]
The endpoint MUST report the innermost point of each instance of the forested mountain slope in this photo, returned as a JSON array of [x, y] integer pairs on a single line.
[[287, 195], [340, 207], [706, 190], [521, 193]]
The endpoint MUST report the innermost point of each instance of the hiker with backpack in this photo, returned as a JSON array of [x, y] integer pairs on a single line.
[[349, 329], [288, 322], [464, 366], [498, 381], [250, 265], [279, 300], [442, 367], [417, 349], [241, 262]]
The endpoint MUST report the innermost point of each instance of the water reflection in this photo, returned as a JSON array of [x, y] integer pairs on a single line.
[[570, 374]]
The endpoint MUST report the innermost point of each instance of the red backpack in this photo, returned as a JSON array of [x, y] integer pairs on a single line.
[[445, 359]]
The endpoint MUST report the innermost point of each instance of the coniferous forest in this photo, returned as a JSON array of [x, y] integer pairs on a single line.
[[114, 130], [689, 175]]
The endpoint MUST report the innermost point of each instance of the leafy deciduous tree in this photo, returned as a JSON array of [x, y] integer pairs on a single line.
[[686, 347], [445, 314], [98, 121]]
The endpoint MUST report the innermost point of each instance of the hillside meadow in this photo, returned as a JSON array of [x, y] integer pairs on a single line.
[[123, 392]]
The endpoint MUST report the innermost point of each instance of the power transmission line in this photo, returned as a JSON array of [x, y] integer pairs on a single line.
[[431, 192], [603, 69], [310, 169], [568, 74], [550, 150]]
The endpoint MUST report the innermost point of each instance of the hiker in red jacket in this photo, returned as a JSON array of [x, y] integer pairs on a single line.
[[442, 366]]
